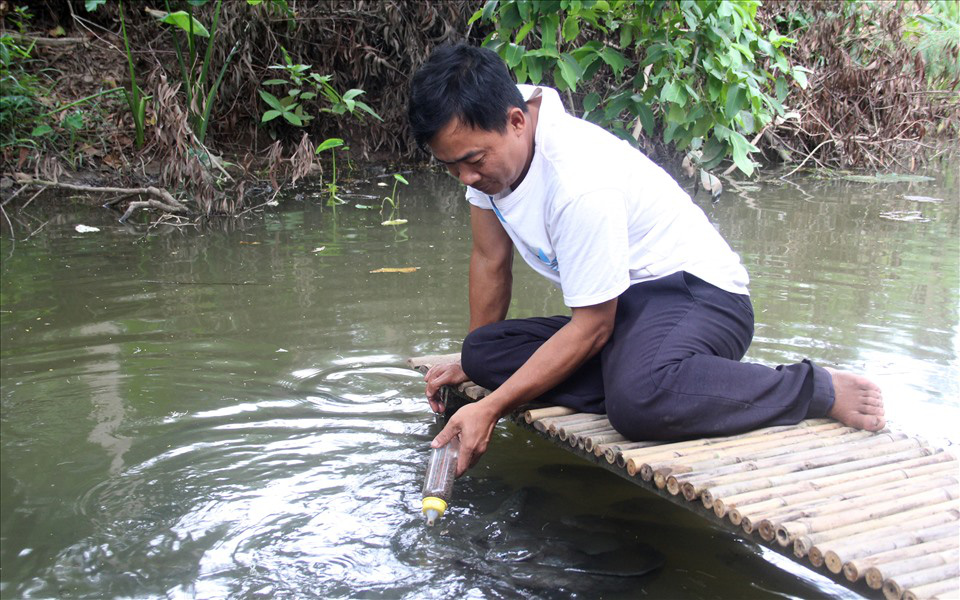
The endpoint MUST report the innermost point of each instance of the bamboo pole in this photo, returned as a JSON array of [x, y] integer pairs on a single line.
[[564, 431], [869, 441], [761, 436], [763, 489], [877, 574], [893, 588], [597, 443], [901, 537], [946, 589], [622, 456], [578, 438], [854, 569], [836, 554], [891, 478], [782, 454], [712, 457], [832, 500], [535, 414], [614, 453], [713, 460], [552, 425], [787, 532], [423, 363], [917, 518], [838, 461]]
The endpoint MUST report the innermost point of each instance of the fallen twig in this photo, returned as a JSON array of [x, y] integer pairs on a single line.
[[807, 158], [44, 41], [37, 230], [161, 199], [9, 224], [12, 196], [32, 198]]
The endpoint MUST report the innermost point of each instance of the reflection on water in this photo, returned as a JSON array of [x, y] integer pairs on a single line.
[[225, 413]]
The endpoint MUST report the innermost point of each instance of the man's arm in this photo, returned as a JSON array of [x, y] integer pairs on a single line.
[[491, 269], [573, 344], [491, 281]]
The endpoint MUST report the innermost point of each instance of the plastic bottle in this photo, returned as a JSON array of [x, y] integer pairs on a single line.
[[438, 483]]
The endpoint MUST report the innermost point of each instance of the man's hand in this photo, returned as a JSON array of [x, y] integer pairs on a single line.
[[474, 424], [440, 375]]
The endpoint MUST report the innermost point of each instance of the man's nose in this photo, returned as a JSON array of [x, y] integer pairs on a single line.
[[467, 176]]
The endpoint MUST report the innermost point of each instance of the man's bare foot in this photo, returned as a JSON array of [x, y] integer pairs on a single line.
[[858, 401]]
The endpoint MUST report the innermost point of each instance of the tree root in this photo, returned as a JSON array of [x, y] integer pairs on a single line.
[[160, 199]]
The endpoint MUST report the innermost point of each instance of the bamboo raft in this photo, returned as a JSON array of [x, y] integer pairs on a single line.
[[876, 512]]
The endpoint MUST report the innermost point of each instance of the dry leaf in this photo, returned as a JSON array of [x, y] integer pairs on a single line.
[[396, 270]]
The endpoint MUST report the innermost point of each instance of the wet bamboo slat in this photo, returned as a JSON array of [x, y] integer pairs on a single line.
[[925, 516], [854, 569], [946, 589], [879, 509], [893, 588]]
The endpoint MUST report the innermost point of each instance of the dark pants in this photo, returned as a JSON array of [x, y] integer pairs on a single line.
[[671, 369]]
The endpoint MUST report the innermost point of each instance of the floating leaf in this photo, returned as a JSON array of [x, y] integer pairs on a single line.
[[395, 222], [908, 216], [396, 270], [364, 206], [887, 178], [924, 199], [86, 229]]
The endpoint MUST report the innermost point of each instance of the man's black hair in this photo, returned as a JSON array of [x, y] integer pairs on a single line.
[[461, 81]]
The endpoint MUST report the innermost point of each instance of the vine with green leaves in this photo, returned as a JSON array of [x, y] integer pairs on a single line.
[[701, 76]]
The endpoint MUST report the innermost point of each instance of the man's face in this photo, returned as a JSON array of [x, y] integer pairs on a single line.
[[488, 161]]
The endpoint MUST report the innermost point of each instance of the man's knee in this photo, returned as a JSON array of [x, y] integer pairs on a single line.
[[475, 354], [641, 415]]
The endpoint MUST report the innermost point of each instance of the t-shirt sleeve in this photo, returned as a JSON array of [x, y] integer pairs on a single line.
[[589, 235], [478, 199]]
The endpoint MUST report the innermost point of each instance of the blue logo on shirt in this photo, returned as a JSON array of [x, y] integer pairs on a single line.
[[496, 210], [553, 264]]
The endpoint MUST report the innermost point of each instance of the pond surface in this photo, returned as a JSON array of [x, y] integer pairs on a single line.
[[225, 412]]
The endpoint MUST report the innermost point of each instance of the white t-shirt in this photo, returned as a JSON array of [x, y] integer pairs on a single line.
[[594, 215]]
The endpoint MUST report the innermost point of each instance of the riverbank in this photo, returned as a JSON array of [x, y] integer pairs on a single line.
[[83, 86]]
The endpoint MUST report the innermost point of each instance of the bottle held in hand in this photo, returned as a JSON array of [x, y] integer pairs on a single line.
[[438, 483]]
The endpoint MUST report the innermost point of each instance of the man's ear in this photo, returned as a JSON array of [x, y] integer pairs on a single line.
[[516, 120]]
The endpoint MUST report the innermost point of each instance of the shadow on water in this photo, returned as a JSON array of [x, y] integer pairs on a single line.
[[225, 412]]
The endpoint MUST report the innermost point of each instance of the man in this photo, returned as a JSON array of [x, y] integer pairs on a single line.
[[661, 314]]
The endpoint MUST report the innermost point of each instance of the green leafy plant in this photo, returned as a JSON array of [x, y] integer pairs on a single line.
[[936, 35], [303, 89], [200, 92], [24, 121], [136, 100], [394, 201], [18, 102], [698, 75], [332, 144]]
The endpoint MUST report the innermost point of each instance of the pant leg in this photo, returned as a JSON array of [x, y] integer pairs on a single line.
[[672, 369], [494, 352]]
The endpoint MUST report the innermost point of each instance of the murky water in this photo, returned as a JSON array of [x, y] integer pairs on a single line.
[[225, 412]]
